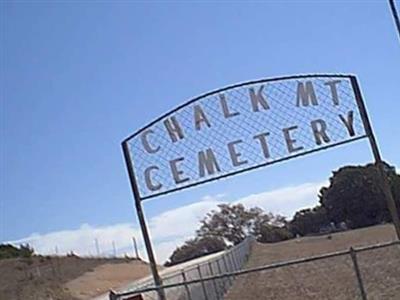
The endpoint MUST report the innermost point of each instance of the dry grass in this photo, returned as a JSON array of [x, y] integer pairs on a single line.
[[332, 278], [65, 278], [105, 277], [72, 278]]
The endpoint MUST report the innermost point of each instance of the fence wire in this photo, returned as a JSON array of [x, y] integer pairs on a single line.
[[243, 127], [229, 261], [370, 272], [313, 280], [380, 272]]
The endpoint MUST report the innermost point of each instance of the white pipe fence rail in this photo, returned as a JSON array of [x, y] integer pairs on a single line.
[[231, 260]]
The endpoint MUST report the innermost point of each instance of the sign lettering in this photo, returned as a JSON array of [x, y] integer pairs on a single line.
[[243, 127]]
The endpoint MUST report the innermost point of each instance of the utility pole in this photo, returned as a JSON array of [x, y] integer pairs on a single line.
[[96, 242], [114, 249], [135, 247]]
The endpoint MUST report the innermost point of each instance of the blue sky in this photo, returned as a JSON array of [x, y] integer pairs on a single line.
[[77, 78]]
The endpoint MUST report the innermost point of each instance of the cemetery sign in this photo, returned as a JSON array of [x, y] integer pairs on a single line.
[[243, 127]]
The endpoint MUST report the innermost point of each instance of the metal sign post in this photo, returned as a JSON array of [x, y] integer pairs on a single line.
[[378, 159], [142, 221], [395, 15], [243, 127]]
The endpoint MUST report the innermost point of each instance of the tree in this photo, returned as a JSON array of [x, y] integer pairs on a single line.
[[354, 196], [233, 222], [194, 248], [10, 251], [230, 224], [272, 234], [308, 221], [270, 228], [26, 250]]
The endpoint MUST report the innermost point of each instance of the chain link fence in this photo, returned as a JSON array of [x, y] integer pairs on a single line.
[[229, 261], [243, 127], [370, 272]]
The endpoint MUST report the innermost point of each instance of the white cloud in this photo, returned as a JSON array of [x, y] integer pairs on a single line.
[[168, 229], [182, 221], [285, 201], [82, 239]]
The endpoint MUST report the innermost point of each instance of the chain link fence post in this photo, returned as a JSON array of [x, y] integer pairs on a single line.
[[189, 296], [353, 256], [236, 267], [203, 286], [229, 278], [210, 268], [222, 280]]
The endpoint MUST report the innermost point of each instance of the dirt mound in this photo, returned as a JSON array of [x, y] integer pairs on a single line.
[[106, 277], [65, 278]]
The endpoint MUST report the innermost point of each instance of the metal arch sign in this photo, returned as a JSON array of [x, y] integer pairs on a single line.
[[243, 127]]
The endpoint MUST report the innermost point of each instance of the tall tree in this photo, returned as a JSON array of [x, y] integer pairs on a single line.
[[231, 222], [355, 196], [310, 220], [229, 225], [194, 248], [234, 222]]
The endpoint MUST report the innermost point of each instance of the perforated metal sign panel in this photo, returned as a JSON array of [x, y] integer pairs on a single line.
[[243, 127]]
